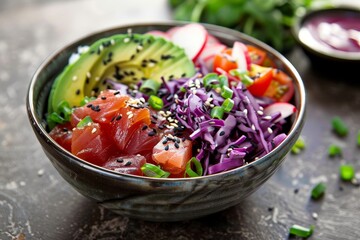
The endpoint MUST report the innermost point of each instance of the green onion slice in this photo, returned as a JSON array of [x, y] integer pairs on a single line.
[[243, 75], [152, 170], [334, 150], [54, 118], [156, 102], [227, 105], [298, 146], [301, 231], [64, 110], [217, 112], [84, 122], [347, 172], [210, 79], [198, 168], [150, 87], [318, 191], [223, 80], [226, 92], [339, 126]]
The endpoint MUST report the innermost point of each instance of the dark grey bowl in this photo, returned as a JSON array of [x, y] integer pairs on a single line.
[[325, 59], [158, 199]]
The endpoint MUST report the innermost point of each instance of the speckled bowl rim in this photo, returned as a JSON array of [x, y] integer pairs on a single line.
[[330, 54], [296, 126]]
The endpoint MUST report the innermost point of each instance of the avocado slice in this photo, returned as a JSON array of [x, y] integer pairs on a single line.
[[124, 58]]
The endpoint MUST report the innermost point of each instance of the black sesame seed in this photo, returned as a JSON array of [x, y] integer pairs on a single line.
[[153, 60], [118, 117], [144, 127], [103, 98], [183, 75], [77, 92], [178, 140], [127, 163], [166, 147], [161, 127], [120, 160], [222, 133], [113, 118], [132, 57], [89, 105], [65, 129], [153, 122], [176, 145], [116, 93], [164, 142], [152, 133], [296, 190], [87, 81], [95, 89]]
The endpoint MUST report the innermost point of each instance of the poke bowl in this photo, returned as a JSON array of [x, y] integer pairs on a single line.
[[212, 166]]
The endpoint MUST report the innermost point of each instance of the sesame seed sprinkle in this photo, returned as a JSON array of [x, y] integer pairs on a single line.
[[93, 130], [74, 78], [269, 130], [260, 112], [253, 127]]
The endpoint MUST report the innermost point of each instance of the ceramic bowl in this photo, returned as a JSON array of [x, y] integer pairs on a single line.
[[150, 198], [330, 37]]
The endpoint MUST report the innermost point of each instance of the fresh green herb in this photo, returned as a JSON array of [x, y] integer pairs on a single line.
[[243, 75], [347, 172], [318, 191], [270, 20], [156, 102], [150, 87], [217, 112], [198, 168], [227, 105], [339, 127], [301, 231], [86, 100], [65, 110], [152, 170], [84, 122], [334, 150], [298, 146], [226, 92]]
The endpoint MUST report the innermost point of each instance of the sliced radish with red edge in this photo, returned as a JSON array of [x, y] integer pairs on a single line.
[[241, 55], [286, 110]]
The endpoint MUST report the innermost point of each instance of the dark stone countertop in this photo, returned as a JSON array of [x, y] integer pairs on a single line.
[[36, 203]]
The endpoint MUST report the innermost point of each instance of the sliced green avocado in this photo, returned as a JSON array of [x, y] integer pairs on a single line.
[[124, 58]]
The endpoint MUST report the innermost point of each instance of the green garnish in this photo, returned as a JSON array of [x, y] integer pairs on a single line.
[[198, 168], [86, 100], [150, 87], [347, 172], [65, 110], [243, 75], [298, 146], [227, 105], [318, 191], [301, 231], [156, 102], [210, 79], [84, 122], [151, 170], [334, 150], [226, 92], [53, 119], [223, 80], [217, 112], [339, 126]]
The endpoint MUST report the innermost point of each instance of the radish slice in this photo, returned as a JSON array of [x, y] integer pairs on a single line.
[[171, 31], [211, 50], [241, 55], [286, 109], [192, 38], [212, 40], [157, 33]]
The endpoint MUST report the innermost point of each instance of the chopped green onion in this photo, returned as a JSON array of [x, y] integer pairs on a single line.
[[217, 112], [64, 110], [152, 170], [84, 122], [226, 92], [223, 80], [243, 75], [298, 146], [318, 191], [347, 172], [198, 168], [339, 126], [301, 231], [182, 89], [227, 105], [334, 150], [210, 79], [156, 102], [55, 118], [358, 139], [150, 87], [86, 100]]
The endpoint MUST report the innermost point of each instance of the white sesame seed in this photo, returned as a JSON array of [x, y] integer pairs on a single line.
[[151, 64], [245, 111], [173, 124], [211, 105], [253, 127], [101, 48], [74, 78], [261, 108], [93, 130], [142, 99], [260, 112], [88, 74], [315, 215], [97, 79], [139, 47], [130, 115], [89, 124], [269, 130], [267, 117]]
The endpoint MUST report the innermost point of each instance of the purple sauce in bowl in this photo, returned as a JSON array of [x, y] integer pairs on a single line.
[[331, 37]]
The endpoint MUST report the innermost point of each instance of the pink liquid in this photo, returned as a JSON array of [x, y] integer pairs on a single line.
[[335, 30]]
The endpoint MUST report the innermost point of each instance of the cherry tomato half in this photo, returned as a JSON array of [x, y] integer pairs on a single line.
[[281, 88], [259, 57], [262, 77], [223, 60]]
